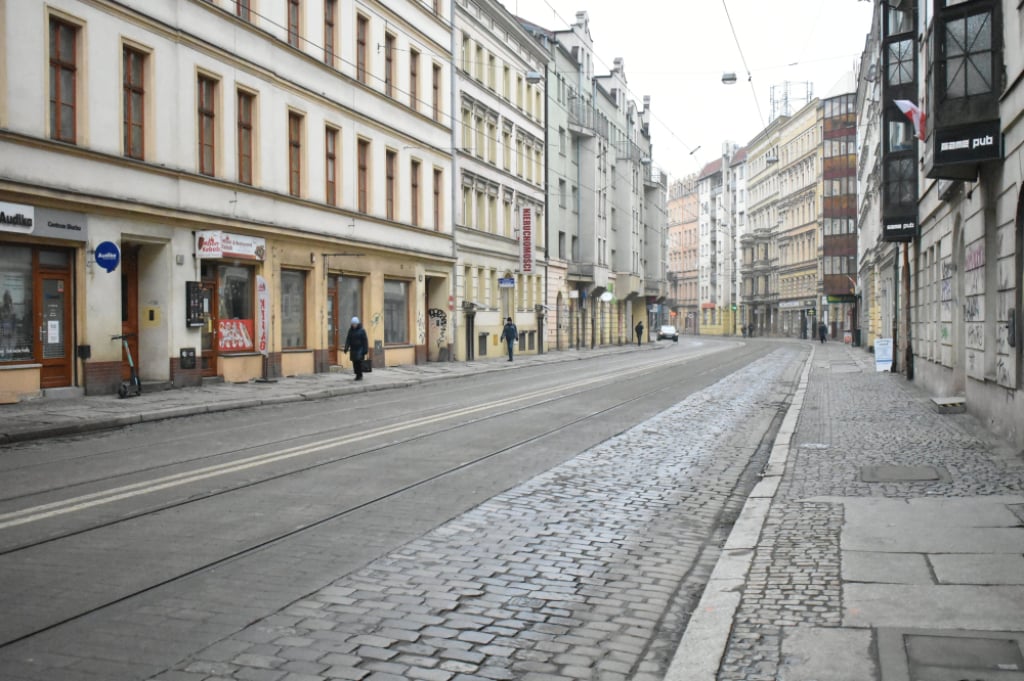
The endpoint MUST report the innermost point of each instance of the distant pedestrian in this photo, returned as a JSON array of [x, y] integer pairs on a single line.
[[822, 332], [509, 335], [357, 346], [743, 330], [639, 332]]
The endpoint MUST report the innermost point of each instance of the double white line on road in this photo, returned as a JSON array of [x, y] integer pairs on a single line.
[[85, 501]]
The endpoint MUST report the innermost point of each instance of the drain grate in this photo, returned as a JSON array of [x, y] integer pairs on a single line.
[[931, 655], [887, 472]]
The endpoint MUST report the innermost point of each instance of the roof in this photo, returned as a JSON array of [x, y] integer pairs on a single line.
[[711, 168]]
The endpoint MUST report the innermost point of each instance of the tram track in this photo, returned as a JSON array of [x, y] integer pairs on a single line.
[[477, 414]]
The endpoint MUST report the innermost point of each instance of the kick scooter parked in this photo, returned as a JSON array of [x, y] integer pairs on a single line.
[[133, 386]]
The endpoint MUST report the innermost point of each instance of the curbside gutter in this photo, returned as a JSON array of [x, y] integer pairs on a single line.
[[702, 648]]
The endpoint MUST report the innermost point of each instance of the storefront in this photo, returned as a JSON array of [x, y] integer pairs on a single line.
[[226, 308], [39, 252]]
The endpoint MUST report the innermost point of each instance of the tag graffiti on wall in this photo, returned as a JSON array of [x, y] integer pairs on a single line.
[[439, 325]]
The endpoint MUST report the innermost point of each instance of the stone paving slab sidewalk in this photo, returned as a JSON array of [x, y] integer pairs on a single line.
[[53, 417], [885, 541]]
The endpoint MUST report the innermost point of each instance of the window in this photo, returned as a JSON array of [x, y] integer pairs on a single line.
[[207, 90], [245, 140], [414, 192], [967, 48], [350, 300], [437, 199], [900, 62], [414, 80], [63, 80], [330, 30], [293, 309], [294, 154], [390, 158], [363, 160], [331, 166], [242, 10], [362, 28], [134, 103], [389, 64], [396, 311], [561, 245], [17, 312], [436, 96], [900, 182], [293, 23], [235, 295]]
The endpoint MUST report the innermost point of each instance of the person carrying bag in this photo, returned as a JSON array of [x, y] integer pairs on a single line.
[[357, 346]]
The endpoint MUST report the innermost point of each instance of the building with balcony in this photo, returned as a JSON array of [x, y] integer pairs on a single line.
[[962, 232], [599, 155], [499, 171], [798, 240], [226, 184]]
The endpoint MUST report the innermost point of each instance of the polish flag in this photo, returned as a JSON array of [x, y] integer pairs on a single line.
[[915, 115]]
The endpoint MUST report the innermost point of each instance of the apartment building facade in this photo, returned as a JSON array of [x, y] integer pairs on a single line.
[[959, 221], [266, 173], [500, 171], [607, 201], [799, 214], [718, 225], [682, 210]]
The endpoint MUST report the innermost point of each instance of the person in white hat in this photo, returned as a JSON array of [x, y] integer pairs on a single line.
[[357, 346]]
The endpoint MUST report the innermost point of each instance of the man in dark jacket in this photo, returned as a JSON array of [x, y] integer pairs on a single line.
[[639, 332], [357, 345], [510, 334]]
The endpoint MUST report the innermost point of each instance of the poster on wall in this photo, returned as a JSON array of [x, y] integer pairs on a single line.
[[234, 335]]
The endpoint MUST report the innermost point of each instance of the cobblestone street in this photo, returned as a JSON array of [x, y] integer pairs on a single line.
[[586, 572]]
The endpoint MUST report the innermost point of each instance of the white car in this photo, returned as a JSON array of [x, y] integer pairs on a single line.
[[668, 331]]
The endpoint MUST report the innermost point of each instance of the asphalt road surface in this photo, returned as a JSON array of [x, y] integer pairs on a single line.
[[552, 522]]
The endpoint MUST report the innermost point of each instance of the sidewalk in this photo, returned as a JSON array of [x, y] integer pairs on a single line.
[[51, 417], [884, 541]]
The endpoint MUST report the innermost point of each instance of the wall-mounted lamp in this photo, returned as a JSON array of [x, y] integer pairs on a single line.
[[729, 78], [534, 77]]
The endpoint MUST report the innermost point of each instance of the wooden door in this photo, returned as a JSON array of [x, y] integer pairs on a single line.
[[208, 340], [53, 320], [130, 308]]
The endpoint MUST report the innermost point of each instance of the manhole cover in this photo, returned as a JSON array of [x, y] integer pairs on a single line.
[[887, 472], [927, 655]]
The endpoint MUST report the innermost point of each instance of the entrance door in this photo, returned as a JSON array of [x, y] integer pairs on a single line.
[[54, 324], [130, 308], [332, 322], [208, 340]]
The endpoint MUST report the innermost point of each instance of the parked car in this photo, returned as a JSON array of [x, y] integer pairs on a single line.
[[668, 331]]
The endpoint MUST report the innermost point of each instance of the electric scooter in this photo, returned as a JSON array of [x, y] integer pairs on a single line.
[[133, 386]]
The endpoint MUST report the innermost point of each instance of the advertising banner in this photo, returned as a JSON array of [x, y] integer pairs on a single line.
[[262, 315], [216, 244], [883, 354], [526, 242]]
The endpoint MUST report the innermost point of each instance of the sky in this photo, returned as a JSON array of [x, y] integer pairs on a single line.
[[677, 51]]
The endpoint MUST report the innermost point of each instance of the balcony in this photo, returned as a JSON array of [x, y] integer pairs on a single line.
[[655, 178], [581, 118]]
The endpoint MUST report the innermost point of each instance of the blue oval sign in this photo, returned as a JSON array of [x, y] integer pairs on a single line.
[[107, 255]]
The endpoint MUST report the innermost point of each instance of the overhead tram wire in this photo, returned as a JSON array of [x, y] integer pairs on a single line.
[[750, 77]]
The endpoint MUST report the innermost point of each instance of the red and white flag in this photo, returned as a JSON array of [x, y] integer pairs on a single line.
[[915, 115]]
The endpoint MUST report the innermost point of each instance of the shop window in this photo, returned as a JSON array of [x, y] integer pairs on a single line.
[[235, 294], [350, 299], [16, 305], [396, 311], [293, 309]]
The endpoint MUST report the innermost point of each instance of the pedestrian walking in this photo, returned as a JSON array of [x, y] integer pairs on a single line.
[[510, 334], [357, 346], [822, 332], [639, 332]]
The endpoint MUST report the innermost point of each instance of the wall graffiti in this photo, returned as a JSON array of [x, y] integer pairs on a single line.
[[974, 258], [975, 336], [972, 309], [439, 323], [421, 329]]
